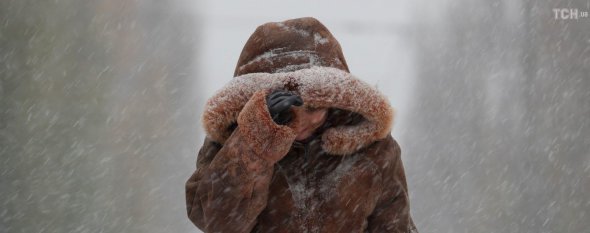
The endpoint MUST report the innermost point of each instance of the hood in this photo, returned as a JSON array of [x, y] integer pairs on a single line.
[[290, 45], [301, 56]]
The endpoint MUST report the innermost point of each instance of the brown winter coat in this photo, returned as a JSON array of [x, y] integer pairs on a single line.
[[253, 177]]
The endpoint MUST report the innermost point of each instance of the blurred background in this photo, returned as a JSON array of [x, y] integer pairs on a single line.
[[101, 102]]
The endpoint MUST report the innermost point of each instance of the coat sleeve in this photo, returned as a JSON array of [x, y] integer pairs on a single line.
[[230, 186], [392, 212]]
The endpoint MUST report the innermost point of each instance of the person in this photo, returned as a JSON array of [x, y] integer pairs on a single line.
[[295, 143]]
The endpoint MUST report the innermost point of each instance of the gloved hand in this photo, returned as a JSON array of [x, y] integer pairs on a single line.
[[279, 104]]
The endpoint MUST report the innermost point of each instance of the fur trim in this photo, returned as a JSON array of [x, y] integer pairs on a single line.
[[318, 87], [267, 139]]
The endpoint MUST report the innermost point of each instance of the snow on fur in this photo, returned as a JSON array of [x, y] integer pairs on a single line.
[[318, 87]]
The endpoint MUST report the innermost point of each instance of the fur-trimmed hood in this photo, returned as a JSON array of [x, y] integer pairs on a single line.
[[322, 87], [302, 56]]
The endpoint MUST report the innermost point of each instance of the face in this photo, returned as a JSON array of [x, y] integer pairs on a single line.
[[307, 120]]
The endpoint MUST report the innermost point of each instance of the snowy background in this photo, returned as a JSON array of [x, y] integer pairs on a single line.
[[101, 101]]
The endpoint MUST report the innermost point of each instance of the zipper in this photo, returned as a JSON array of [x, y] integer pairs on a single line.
[[310, 184], [305, 173], [308, 217]]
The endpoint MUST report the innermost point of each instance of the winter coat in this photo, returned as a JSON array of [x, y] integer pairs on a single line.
[[251, 174]]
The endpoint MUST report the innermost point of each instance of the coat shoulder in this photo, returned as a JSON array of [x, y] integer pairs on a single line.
[[385, 153]]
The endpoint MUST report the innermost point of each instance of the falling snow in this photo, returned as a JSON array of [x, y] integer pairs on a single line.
[[100, 105]]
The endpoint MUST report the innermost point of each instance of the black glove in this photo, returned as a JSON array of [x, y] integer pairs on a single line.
[[279, 104]]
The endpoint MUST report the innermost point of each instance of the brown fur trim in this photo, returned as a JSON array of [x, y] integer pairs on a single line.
[[318, 87], [267, 139]]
